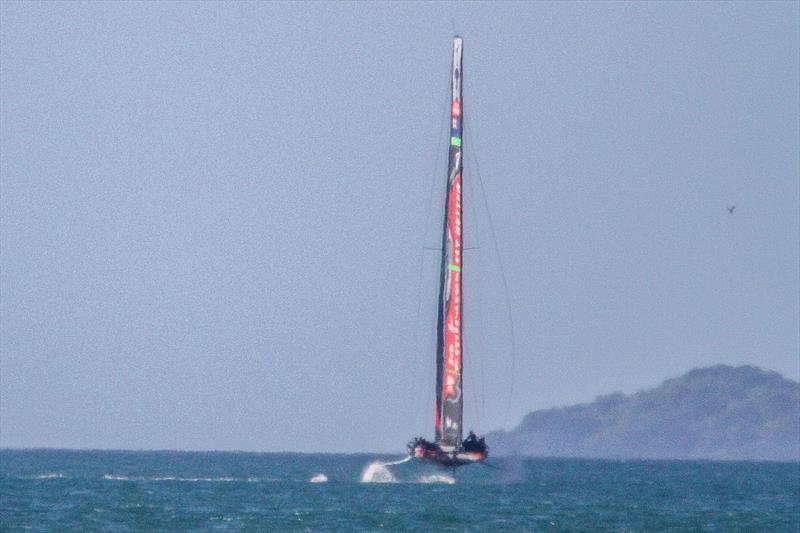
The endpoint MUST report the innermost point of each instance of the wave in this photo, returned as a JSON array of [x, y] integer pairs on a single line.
[[49, 475], [438, 478], [113, 477]]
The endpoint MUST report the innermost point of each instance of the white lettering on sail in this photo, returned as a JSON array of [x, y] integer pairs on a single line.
[[452, 367]]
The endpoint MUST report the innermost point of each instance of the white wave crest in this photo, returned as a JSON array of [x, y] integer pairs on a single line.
[[50, 475], [198, 479], [438, 478], [112, 477], [319, 478]]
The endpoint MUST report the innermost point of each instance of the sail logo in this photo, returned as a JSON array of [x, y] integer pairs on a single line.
[[455, 123], [452, 355], [458, 220], [449, 423]]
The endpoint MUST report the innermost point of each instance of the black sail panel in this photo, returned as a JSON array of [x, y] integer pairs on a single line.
[[449, 356]]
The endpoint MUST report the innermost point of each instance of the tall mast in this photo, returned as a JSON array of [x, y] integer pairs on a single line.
[[449, 397]]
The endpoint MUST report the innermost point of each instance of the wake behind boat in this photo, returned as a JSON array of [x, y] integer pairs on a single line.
[[448, 449]]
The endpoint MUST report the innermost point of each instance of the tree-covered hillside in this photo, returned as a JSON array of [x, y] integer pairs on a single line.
[[719, 412]]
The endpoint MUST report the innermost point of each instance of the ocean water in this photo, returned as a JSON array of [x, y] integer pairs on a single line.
[[62, 490]]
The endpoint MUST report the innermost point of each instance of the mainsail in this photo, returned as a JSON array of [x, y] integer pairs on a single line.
[[449, 397]]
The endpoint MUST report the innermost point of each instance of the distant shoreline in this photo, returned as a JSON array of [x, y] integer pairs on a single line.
[[373, 455]]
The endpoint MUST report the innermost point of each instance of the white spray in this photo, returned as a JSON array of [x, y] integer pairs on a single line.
[[378, 473]]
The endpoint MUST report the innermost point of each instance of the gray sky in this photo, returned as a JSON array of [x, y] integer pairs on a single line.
[[212, 215]]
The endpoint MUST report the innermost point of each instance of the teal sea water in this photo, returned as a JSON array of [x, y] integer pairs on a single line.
[[62, 490]]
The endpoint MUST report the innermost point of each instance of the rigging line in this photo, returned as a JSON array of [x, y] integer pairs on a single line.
[[502, 278], [439, 249], [479, 314], [440, 148], [479, 398]]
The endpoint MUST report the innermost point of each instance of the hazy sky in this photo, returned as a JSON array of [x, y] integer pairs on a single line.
[[213, 215]]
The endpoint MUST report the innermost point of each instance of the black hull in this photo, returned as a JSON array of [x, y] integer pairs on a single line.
[[470, 452], [450, 461]]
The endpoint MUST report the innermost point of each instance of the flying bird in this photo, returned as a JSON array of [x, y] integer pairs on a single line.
[[730, 209]]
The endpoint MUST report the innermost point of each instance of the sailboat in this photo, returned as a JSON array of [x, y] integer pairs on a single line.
[[449, 448]]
